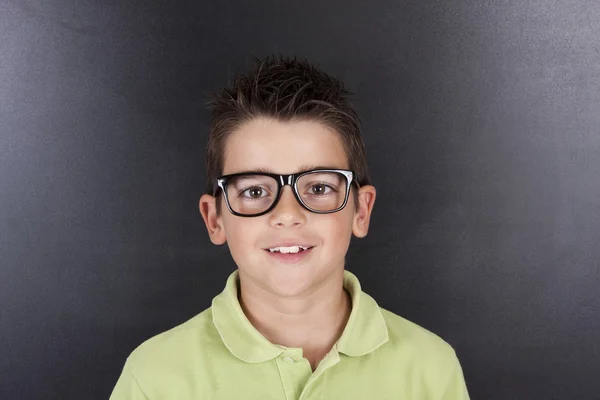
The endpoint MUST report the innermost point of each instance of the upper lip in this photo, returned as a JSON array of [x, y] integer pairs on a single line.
[[289, 243]]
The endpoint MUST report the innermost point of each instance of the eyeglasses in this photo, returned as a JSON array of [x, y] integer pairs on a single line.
[[251, 194]]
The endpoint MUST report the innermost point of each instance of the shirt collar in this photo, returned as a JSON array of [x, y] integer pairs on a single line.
[[365, 331]]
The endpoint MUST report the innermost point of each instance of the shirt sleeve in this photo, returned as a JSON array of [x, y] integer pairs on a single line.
[[456, 389], [127, 387]]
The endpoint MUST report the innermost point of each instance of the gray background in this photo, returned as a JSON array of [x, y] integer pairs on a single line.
[[482, 127]]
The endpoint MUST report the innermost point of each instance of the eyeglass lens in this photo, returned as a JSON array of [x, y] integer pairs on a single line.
[[253, 194]]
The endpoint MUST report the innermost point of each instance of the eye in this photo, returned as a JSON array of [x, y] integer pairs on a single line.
[[254, 192], [319, 189]]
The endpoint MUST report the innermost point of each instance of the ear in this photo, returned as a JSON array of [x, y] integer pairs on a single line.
[[362, 216], [214, 222]]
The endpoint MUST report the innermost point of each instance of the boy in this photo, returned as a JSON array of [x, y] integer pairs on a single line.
[[288, 187]]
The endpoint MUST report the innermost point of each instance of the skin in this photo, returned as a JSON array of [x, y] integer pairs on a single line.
[[300, 305]]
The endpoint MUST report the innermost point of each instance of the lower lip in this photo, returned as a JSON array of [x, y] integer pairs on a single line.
[[290, 258]]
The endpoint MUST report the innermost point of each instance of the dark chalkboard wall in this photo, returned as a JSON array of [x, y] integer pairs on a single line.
[[482, 124]]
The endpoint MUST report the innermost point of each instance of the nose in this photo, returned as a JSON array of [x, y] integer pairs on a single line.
[[288, 212]]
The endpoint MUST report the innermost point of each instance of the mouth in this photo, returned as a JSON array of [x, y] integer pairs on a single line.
[[289, 254], [289, 249]]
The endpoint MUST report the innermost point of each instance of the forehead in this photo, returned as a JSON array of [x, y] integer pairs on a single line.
[[283, 147]]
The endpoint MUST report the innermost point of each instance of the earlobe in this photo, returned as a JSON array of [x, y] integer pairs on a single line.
[[213, 222], [362, 217]]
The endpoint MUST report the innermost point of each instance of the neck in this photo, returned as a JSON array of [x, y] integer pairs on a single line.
[[313, 322]]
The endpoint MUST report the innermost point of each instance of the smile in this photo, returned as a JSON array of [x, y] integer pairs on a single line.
[[289, 254], [287, 250]]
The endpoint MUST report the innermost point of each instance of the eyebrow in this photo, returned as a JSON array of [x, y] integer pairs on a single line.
[[303, 168]]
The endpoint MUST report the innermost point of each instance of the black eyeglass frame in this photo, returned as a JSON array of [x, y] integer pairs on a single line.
[[283, 180]]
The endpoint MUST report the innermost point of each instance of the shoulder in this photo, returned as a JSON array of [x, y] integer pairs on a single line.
[[159, 366], [171, 348], [415, 342], [423, 358]]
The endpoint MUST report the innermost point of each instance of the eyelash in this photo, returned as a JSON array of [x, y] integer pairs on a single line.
[[242, 191], [323, 184]]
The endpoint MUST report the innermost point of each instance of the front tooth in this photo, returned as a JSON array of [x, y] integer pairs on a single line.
[[291, 249], [287, 250]]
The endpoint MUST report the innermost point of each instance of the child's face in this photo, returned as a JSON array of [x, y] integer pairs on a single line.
[[286, 148]]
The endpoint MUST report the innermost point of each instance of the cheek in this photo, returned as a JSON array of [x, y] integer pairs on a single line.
[[337, 230], [334, 230], [239, 234]]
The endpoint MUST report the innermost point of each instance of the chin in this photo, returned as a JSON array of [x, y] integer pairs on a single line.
[[288, 284], [294, 282]]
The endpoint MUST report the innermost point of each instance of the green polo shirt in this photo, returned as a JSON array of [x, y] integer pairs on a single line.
[[219, 355]]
